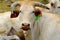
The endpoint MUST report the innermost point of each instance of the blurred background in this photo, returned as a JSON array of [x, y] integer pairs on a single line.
[[5, 4]]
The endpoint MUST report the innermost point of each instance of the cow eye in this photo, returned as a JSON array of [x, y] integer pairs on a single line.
[[15, 13]]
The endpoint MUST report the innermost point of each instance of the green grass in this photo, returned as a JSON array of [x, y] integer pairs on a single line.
[[4, 7]]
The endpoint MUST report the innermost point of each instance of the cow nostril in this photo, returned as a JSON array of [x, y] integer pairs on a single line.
[[22, 24]]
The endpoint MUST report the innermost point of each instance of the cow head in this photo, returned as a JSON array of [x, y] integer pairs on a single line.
[[55, 3], [28, 15]]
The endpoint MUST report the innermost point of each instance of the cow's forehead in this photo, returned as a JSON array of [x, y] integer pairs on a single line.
[[28, 8]]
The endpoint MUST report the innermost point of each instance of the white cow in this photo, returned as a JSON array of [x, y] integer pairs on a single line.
[[49, 27], [54, 6], [27, 16], [5, 23], [44, 27]]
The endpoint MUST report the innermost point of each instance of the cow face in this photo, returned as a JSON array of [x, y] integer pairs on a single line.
[[27, 16], [55, 3]]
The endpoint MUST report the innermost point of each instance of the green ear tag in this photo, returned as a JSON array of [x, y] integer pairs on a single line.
[[37, 18]]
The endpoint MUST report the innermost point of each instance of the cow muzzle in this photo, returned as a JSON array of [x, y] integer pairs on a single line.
[[25, 26]]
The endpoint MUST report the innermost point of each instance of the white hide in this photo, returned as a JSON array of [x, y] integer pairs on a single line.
[[9, 37], [54, 9], [36, 31], [5, 23], [15, 23], [49, 27]]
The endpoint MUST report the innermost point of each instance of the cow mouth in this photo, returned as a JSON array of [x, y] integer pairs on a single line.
[[25, 28]]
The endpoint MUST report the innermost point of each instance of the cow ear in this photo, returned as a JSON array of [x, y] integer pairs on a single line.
[[38, 12], [14, 13]]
